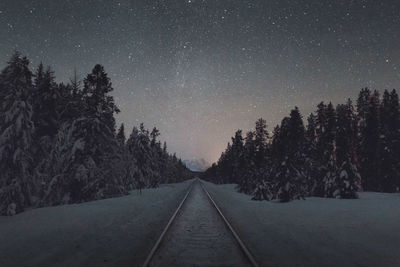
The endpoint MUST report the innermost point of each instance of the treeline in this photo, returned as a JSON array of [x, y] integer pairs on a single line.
[[341, 150], [58, 142]]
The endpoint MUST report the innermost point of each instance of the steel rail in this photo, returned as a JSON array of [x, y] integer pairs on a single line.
[[171, 220], [243, 247]]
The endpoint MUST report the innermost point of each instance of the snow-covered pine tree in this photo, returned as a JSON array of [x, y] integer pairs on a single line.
[[139, 146], [329, 154], [368, 111], [83, 164], [326, 167], [16, 130], [127, 165], [262, 183], [46, 103], [389, 141], [96, 88], [348, 178], [288, 169], [311, 165]]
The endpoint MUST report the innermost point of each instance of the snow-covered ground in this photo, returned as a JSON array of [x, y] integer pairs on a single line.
[[111, 232], [316, 231]]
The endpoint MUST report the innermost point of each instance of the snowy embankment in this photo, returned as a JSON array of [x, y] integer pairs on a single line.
[[111, 232], [316, 231]]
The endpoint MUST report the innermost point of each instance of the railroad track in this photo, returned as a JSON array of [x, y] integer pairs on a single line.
[[239, 243]]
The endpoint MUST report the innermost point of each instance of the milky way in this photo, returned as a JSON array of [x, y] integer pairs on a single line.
[[199, 70]]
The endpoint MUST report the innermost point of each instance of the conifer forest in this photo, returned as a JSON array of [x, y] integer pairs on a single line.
[[59, 143], [338, 151]]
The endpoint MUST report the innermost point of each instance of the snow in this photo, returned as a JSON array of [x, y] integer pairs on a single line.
[[316, 231], [111, 232]]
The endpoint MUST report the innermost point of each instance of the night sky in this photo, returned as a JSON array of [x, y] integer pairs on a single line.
[[199, 70]]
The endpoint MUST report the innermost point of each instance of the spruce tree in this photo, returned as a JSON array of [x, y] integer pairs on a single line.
[[369, 141], [247, 180], [237, 164], [85, 159], [310, 150], [45, 98], [348, 178], [326, 169], [16, 131], [288, 172], [395, 129], [260, 140], [389, 138], [100, 104], [47, 102], [329, 159], [83, 164]]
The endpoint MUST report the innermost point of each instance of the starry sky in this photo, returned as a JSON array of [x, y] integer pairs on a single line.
[[200, 69]]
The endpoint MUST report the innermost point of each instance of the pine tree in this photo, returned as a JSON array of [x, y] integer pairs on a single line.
[[347, 178], [247, 180], [389, 141], [139, 145], [369, 140], [329, 153], [260, 140], [47, 102], [72, 104], [121, 135], [83, 164], [276, 142], [237, 164], [325, 148], [100, 104], [45, 98], [311, 160], [346, 132], [288, 172], [16, 130], [249, 150], [395, 129]]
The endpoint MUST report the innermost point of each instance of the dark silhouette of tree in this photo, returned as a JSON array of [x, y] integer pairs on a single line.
[[100, 104], [389, 141], [325, 159], [16, 131], [348, 179], [370, 142]]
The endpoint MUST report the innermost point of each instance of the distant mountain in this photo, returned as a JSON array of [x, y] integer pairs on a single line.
[[197, 165]]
